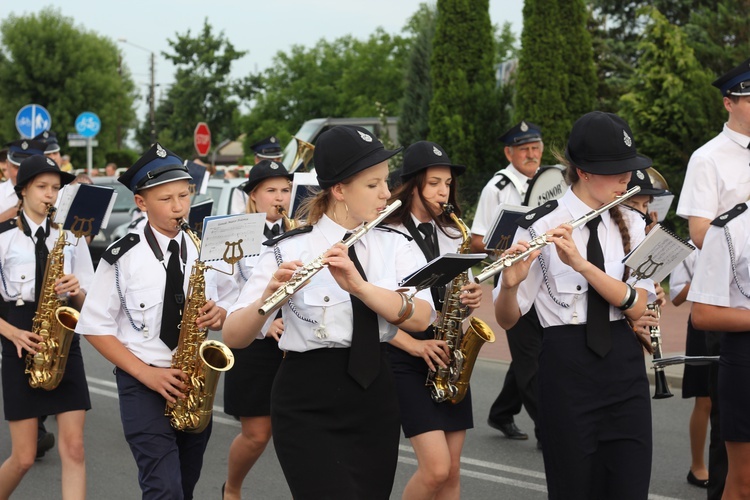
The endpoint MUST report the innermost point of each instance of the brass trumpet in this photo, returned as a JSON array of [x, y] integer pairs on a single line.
[[542, 241], [288, 223]]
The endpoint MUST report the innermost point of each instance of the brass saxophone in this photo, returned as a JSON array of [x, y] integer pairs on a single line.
[[53, 321], [200, 359], [289, 224], [452, 382]]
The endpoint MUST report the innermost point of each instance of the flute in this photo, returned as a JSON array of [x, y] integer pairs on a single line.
[[302, 275], [542, 240]]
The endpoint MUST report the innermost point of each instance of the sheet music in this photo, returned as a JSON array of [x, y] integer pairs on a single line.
[[661, 205], [658, 254], [232, 236], [503, 229]]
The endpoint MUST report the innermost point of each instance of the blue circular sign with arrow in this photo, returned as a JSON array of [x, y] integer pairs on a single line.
[[88, 124], [32, 120]]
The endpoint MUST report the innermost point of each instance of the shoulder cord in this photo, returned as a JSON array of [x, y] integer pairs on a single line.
[[543, 265], [277, 255], [5, 286], [734, 264], [122, 300], [242, 274]]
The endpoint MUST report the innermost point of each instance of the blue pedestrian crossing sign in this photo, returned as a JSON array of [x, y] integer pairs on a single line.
[[88, 124], [32, 120]]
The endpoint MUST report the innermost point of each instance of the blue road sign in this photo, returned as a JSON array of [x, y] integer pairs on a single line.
[[88, 124], [32, 120]]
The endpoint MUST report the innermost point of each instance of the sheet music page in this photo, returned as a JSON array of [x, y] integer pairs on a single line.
[[64, 201], [232, 236], [661, 205], [658, 254], [503, 229]]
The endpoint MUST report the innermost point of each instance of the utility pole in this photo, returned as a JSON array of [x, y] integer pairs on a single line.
[[152, 101]]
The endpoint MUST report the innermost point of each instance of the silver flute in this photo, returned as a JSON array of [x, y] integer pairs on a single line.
[[542, 240], [302, 275]]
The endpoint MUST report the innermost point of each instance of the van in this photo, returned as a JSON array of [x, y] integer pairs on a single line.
[[311, 130]]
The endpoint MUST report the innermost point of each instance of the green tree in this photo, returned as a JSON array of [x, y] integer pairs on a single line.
[[342, 78], [671, 107], [465, 105], [48, 60], [580, 92], [202, 92], [720, 34], [542, 78]]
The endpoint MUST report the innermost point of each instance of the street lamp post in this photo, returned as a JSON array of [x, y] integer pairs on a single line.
[[151, 88]]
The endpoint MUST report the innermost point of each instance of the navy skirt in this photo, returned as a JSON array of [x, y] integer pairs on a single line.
[[20, 400], [247, 386], [734, 391], [695, 378], [333, 438]]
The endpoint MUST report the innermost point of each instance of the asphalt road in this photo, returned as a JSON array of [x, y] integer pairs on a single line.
[[493, 467]]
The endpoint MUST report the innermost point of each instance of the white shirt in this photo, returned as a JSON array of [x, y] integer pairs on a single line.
[[386, 258], [682, 275], [567, 285], [8, 196], [137, 280], [18, 261], [513, 193], [717, 178], [238, 205], [713, 282]]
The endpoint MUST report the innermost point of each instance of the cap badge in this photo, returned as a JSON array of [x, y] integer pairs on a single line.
[[437, 151], [524, 127], [530, 216], [24, 145], [160, 152], [364, 136], [626, 139], [51, 162], [274, 165], [640, 175], [273, 139]]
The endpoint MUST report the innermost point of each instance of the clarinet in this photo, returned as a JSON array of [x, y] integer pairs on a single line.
[[542, 241], [304, 274], [660, 378]]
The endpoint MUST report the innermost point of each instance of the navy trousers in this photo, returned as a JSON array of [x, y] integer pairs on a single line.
[[169, 461]]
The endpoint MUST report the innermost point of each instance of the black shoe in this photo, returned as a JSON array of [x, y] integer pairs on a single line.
[[700, 483], [510, 430], [44, 443]]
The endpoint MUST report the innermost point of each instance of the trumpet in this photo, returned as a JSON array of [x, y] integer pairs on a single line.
[[542, 241], [304, 274], [289, 224]]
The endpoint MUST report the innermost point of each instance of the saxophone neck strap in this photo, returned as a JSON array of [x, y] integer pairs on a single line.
[[154, 246]]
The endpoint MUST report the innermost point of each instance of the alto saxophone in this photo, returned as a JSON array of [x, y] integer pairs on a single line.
[[53, 321], [200, 359], [452, 382]]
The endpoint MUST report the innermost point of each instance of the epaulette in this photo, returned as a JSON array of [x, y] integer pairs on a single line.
[[135, 223], [721, 220], [503, 182], [287, 234], [120, 247], [530, 217], [391, 230], [8, 224]]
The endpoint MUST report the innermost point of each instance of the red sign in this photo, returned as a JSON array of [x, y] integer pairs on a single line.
[[202, 139]]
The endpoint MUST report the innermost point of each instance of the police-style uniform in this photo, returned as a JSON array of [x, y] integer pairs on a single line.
[[267, 148], [18, 276], [716, 180], [419, 413], [17, 152], [334, 438], [724, 280], [525, 339], [127, 300], [247, 386], [595, 411], [694, 377]]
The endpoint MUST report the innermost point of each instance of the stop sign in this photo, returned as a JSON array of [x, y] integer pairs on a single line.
[[202, 139]]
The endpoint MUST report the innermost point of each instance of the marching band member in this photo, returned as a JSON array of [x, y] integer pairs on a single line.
[[720, 292], [334, 411], [133, 319], [25, 243], [436, 430], [247, 386], [595, 409], [523, 150]]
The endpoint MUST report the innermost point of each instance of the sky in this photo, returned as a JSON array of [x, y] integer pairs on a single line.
[[261, 28]]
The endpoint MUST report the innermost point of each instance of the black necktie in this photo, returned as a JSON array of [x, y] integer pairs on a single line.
[[40, 249], [174, 298], [271, 232], [597, 323], [428, 231], [364, 355]]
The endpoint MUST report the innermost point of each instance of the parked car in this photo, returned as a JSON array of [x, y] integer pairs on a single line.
[[121, 214], [218, 190]]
